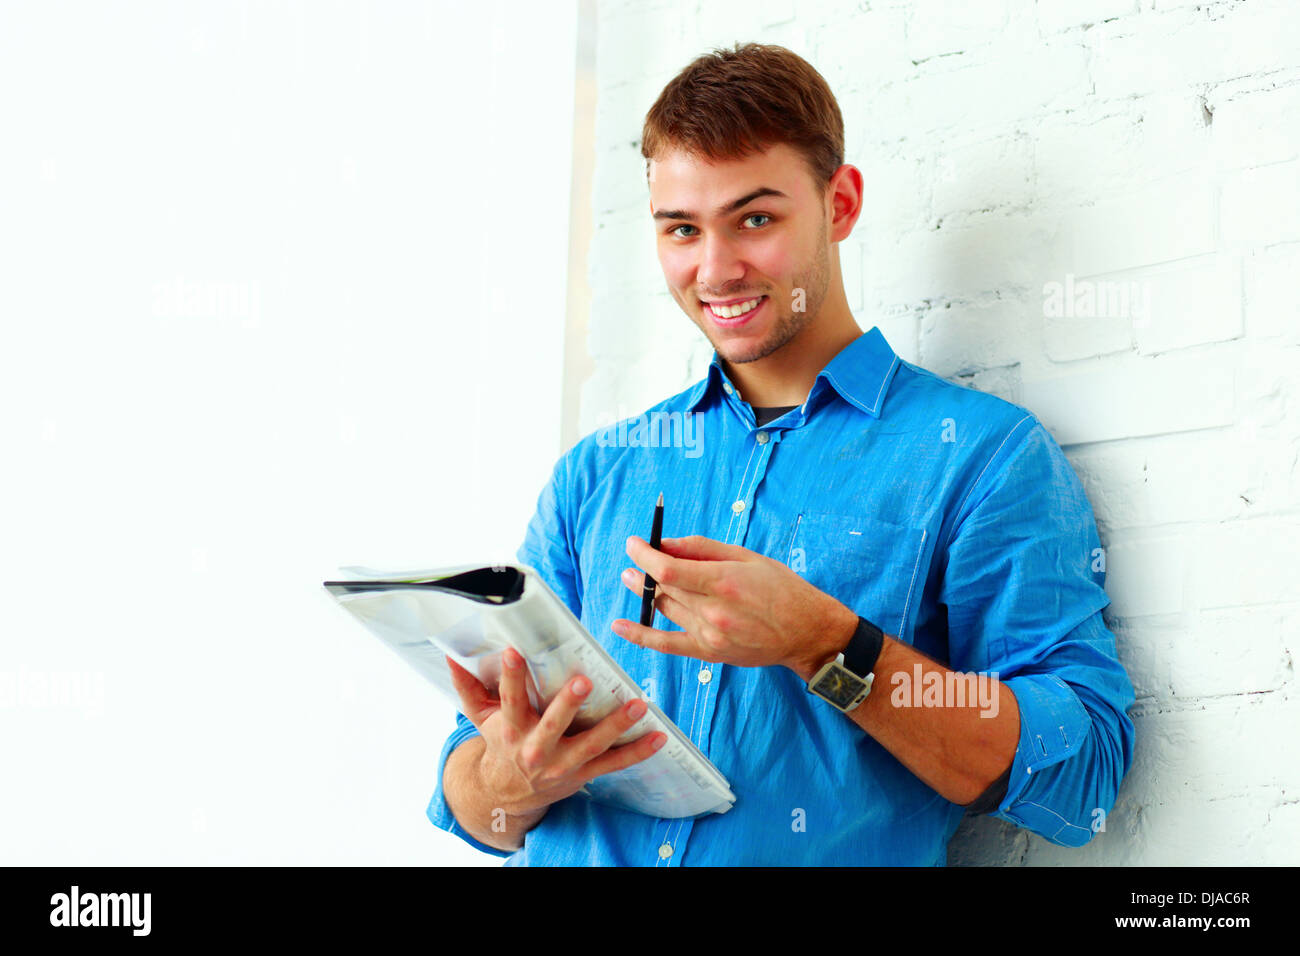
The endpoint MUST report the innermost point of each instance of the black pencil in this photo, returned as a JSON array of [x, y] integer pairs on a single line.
[[648, 589]]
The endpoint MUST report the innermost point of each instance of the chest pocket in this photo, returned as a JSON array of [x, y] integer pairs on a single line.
[[871, 566]]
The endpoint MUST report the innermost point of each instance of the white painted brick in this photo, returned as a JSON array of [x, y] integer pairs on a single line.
[[989, 253], [1068, 339], [988, 92], [621, 111], [968, 337], [1200, 476], [1146, 576], [1232, 651], [901, 329], [1246, 562], [1184, 49], [1055, 17], [1272, 299], [1162, 222], [936, 27], [1114, 476], [1191, 304], [895, 194], [1108, 148], [1262, 205], [1081, 155], [1003, 382], [1223, 751], [717, 25], [983, 175], [1141, 643], [619, 181], [1167, 479], [1256, 128], [622, 50], [1159, 222], [863, 52], [1141, 397]]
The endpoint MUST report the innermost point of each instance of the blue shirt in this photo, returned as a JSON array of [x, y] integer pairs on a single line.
[[948, 517]]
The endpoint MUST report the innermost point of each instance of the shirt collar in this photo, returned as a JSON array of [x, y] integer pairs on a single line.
[[860, 373]]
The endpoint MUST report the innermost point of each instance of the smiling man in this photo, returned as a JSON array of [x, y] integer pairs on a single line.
[[882, 607]]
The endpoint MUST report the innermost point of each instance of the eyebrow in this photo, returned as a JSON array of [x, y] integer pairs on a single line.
[[725, 207]]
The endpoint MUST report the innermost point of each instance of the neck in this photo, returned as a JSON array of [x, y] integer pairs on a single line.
[[787, 375]]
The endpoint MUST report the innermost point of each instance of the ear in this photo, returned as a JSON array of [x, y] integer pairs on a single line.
[[846, 201]]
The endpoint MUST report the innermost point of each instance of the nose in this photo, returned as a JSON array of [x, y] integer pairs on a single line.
[[719, 265]]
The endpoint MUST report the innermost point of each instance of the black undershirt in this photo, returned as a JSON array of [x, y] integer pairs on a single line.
[[764, 415], [990, 799]]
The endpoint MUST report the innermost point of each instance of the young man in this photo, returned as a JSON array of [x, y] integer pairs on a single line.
[[846, 517]]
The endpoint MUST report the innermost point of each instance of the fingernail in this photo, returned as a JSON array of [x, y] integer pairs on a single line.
[[580, 686], [636, 710], [659, 742]]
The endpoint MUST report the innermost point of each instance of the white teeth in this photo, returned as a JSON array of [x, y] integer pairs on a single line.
[[731, 311]]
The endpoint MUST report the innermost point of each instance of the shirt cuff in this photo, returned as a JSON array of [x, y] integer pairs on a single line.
[[438, 812], [1054, 724]]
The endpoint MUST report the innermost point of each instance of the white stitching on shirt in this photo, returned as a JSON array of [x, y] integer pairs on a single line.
[[875, 407], [911, 587]]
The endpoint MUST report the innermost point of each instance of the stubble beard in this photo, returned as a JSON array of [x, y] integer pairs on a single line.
[[789, 323]]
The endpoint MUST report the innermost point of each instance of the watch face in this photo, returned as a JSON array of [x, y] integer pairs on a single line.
[[839, 685]]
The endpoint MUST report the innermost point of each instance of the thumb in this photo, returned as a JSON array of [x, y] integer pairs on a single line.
[[476, 703]]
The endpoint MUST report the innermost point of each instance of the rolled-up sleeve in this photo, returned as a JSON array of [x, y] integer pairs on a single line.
[[1024, 588], [546, 549]]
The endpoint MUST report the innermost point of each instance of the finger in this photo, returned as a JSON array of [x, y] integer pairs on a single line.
[[515, 706], [699, 548], [475, 701], [674, 603], [559, 715], [681, 573], [586, 746], [624, 756], [667, 642]]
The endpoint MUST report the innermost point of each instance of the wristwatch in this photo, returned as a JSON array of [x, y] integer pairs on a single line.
[[846, 681]]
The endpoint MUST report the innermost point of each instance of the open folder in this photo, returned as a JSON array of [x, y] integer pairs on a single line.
[[472, 613]]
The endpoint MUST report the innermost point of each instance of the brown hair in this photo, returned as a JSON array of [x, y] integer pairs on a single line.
[[729, 104]]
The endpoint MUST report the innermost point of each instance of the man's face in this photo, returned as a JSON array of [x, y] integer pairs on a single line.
[[722, 246]]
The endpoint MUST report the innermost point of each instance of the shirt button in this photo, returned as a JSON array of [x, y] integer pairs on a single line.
[[665, 852], [726, 387], [761, 438], [739, 506], [705, 675]]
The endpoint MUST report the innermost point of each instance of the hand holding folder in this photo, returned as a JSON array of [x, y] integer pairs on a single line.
[[471, 614]]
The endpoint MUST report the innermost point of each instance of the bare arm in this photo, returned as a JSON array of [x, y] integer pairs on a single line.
[[473, 804]]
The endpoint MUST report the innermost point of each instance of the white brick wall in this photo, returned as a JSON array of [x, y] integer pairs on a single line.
[[1011, 144]]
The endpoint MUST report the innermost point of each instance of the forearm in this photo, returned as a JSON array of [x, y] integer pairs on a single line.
[[475, 807], [958, 744]]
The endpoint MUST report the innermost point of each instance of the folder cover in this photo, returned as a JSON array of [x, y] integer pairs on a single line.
[[471, 613]]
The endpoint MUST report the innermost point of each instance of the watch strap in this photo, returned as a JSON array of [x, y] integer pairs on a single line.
[[864, 648]]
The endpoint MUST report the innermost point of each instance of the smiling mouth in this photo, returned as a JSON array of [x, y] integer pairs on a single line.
[[735, 310]]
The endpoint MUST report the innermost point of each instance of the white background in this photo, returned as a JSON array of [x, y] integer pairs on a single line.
[[282, 289]]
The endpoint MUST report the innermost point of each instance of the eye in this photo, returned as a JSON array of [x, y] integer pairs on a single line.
[[673, 231], [758, 215]]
